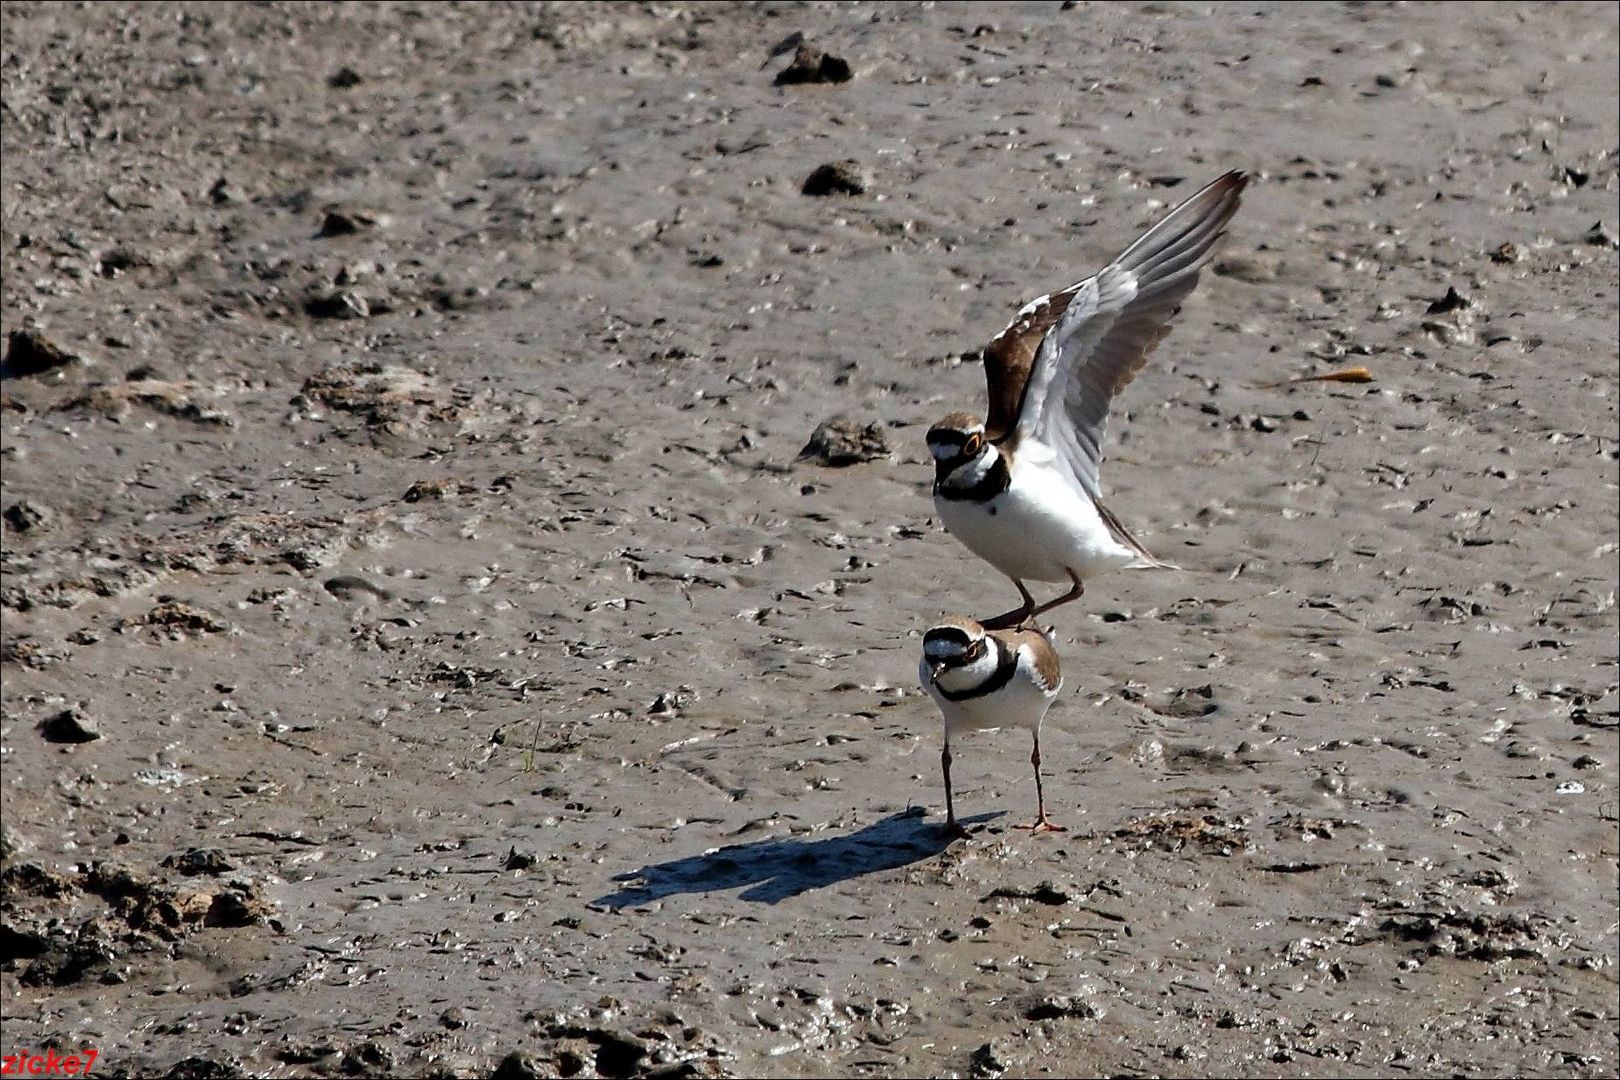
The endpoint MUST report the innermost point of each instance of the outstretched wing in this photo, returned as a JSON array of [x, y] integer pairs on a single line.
[[1011, 353], [1106, 327]]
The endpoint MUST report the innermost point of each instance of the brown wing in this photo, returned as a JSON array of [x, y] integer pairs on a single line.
[[1010, 355], [1043, 656]]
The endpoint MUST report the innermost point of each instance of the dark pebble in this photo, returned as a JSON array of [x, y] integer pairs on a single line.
[[1452, 301], [520, 860], [346, 221], [200, 861], [519, 1066], [836, 178], [202, 1068], [811, 65], [69, 726], [29, 352], [28, 516]]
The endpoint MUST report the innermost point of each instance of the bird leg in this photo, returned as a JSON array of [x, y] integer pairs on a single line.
[[952, 826], [1075, 593], [1041, 823], [1018, 615]]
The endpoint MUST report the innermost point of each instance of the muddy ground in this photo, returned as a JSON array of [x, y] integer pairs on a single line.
[[426, 654]]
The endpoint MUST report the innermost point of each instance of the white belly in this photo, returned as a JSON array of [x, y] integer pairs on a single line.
[[1021, 704], [1039, 529]]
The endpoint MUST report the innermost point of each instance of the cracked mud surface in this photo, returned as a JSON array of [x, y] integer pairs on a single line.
[[427, 652]]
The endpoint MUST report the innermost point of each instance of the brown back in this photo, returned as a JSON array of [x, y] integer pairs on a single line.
[[1010, 356]]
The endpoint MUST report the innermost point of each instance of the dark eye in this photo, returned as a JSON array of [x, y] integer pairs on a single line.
[[971, 447]]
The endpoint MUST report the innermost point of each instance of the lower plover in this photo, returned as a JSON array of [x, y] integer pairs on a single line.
[[985, 679]]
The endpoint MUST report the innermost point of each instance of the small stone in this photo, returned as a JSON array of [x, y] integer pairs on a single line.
[[519, 1066], [520, 860], [1450, 333], [1508, 253], [120, 259], [841, 441], [197, 861], [33, 879], [1056, 1007], [369, 1058], [25, 517], [202, 1068], [69, 726], [1189, 703], [29, 352], [837, 178], [337, 304], [223, 191], [989, 1060], [239, 906], [343, 78], [454, 1018], [177, 619], [352, 587], [811, 65], [429, 490], [1599, 235], [671, 701], [1044, 893], [12, 843], [348, 220], [1452, 301]]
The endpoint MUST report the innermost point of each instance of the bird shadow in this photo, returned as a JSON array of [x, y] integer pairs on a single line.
[[780, 868]]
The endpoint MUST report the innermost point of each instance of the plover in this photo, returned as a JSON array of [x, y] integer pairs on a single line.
[[985, 679], [1020, 488]]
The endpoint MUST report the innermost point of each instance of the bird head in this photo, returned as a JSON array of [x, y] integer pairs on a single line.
[[953, 643], [959, 448]]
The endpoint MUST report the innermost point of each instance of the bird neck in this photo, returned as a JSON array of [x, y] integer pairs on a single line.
[[976, 479], [985, 675]]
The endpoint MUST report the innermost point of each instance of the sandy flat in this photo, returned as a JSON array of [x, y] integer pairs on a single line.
[[426, 655]]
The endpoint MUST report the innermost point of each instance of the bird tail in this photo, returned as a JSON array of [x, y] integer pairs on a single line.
[[1145, 559]]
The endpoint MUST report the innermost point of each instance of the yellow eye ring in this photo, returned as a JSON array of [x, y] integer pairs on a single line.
[[971, 447]]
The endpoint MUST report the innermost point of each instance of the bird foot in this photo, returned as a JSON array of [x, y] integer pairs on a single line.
[[1042, 824], [955, 830], [1019, 617]]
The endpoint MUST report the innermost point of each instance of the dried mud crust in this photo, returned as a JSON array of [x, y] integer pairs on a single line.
[[91, 926], [426, 651]]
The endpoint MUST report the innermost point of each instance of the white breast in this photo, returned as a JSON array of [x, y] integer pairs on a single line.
[[1039, 529], [1020, 703]]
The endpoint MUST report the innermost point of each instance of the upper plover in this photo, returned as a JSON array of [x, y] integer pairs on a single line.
[[1020, 489], [989, 679]]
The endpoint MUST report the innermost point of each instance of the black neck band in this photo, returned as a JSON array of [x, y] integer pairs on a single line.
[[995, 480], [1006, 667]]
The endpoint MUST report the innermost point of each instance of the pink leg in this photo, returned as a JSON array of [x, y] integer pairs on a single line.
[[1042, 823]]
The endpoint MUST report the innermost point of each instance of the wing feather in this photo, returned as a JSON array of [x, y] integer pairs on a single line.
[[1010, 355], [1101, 336]]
